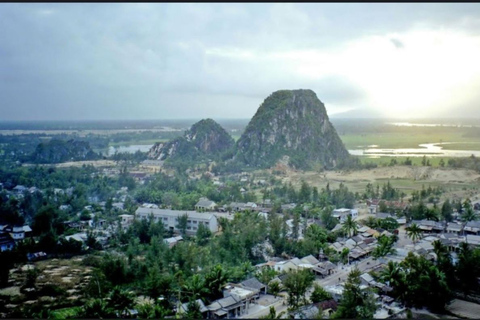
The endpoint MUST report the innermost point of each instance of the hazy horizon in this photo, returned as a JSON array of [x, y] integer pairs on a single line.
[[126, 61]]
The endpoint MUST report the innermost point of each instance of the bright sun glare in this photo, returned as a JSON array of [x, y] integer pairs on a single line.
[[405, 75]]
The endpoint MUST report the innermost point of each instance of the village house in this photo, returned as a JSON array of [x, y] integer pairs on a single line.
[[343, 213], [374, 204], [472, 227], [254, 284], [169, 218], [286, 207], [456, 228], [430, 226], [126, 220], [205, 204], [6, 242], [236, 302], [171, 242]]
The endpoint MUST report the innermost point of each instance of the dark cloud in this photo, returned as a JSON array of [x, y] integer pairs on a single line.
[[174, 60]]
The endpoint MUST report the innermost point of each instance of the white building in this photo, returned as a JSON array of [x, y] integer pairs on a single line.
[[343, 213], [170, 218], [126, 220]]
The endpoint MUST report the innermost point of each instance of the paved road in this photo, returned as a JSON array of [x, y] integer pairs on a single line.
[[364, 265], [278, 305]]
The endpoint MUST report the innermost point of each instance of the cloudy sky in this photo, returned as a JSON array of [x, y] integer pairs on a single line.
[[166, 61]]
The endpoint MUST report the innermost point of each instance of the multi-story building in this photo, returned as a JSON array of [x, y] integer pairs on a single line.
[[170, 218]]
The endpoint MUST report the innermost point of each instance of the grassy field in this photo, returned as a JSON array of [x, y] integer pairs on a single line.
[[416, 161], [473, 145], [408, 140]]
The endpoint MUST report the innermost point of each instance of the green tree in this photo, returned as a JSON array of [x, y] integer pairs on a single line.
[[120, 301], [274, 287], [327, 218], [265, 275], [350, 227], [195, 287], [426, 285], [182, 224], [384, 247], [151, 311], [97, 309], [394, 276], [272, 314], [356, 303], [319, 294], [414, 232], [469, 214], [446, 211], [193, 310], [297, 283], [215, 280], [441, 163], [158, 284], [203, 234], [468, 268], [305, 193]]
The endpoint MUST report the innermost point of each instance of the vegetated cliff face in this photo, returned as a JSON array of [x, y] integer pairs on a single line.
[[205, 138], [291, 123], [56, 151]]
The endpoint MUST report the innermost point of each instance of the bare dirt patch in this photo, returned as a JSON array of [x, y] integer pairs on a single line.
[[402, 177]]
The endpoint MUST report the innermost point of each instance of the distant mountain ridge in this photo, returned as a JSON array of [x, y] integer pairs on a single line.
[[291, 124], [205, 138]]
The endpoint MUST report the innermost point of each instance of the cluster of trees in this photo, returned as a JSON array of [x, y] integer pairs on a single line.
[[431, 193], [179, 192], [419, 282], [340, 198], [471, 162], [420, 211], [388, 192], [388, 224]]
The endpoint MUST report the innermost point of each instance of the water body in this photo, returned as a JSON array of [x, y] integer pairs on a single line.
[[426, 149], [409, 124], [129, 149]]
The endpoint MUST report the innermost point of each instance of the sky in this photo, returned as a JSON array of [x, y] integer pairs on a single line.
[[112, 61]]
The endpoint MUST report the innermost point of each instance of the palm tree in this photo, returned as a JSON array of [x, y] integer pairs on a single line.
[[371, 222], [273, 314], [151, 311], [414, 232], [439, 249], [195, 287], [350, 226], [431, 214], [215, 280], [97, 309], [469, 215], [393, 273], [121, 301]]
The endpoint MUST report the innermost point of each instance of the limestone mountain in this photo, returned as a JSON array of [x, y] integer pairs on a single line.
[[205, 138], [293, 124], [55, 151]]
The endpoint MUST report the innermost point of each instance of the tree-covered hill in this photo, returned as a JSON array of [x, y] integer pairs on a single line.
[[291, 123]]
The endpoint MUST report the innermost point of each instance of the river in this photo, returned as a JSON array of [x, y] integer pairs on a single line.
[[426, 149]]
